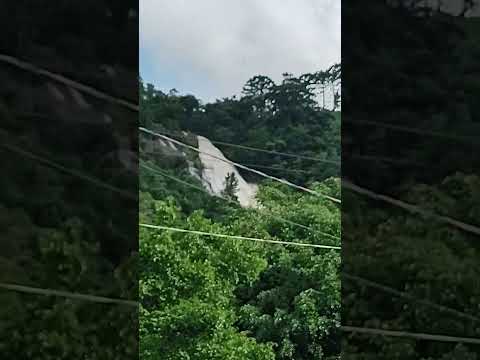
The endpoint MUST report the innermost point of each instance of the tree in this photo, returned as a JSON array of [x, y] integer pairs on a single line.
[[295, 302], [212, 298], [268, 115], [186, 289], [208, 298], [231, 187], [427, 260], [413, 79]]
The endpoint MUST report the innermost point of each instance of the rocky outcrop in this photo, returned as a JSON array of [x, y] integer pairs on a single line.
[[210, 170], [215, 171]]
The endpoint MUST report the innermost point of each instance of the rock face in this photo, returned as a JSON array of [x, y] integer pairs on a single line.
[[215, 171]]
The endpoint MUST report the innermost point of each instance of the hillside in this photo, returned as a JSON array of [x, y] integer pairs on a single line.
[[68, 210], [268, 116], [399, 272], [211, 171], [238, 298], [411, 100]]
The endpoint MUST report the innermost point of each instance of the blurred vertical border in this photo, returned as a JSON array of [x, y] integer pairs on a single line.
[[411, 250], [69, 182]]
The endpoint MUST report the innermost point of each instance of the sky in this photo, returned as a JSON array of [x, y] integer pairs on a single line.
[[210, 48]]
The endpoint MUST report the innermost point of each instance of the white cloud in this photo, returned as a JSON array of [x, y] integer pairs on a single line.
[[224, 43]]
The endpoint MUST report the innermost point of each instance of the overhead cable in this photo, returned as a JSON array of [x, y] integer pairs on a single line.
[[66, 294], [72, 172], [263, 211], [250, 148], [283, 181], [256, 149], [237, 237], [26, 66], [411, 208], [372, 158], [466, 139], [358, 279], [68, 82], [411, 335], [409, 297]]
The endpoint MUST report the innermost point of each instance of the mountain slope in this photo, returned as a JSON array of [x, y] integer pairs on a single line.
[[209, 170]]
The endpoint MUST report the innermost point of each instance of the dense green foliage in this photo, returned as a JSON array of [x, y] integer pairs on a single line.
[[419, 71], [209, 298], [185, 289], [424, 78], [59, 231], [268, 116], [291, 303], [56, 236], [295, 301], [424, 258], [212, 298], [95, 34]]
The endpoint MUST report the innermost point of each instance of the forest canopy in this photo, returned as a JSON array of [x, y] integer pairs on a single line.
[[204, 297]]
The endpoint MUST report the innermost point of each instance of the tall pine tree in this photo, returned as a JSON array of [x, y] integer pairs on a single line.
[[231, 187]]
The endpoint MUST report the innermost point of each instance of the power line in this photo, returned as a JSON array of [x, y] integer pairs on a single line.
[[66, 294], [83, 88], [161, 173], [68, 82], [412, 208], [348, 185], [250, 165], [300, 171], [266, 212], [356, 156], [158, 227], [409, 297], [398, 203], [411, 335], [375, 284], [386, 159], [256, 149], [372, 158], [283, 181], [368, 282], [351, 277], [26, 66], [250, 148], [466, 139], [72, 172], [278, 169], [96, 93]]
